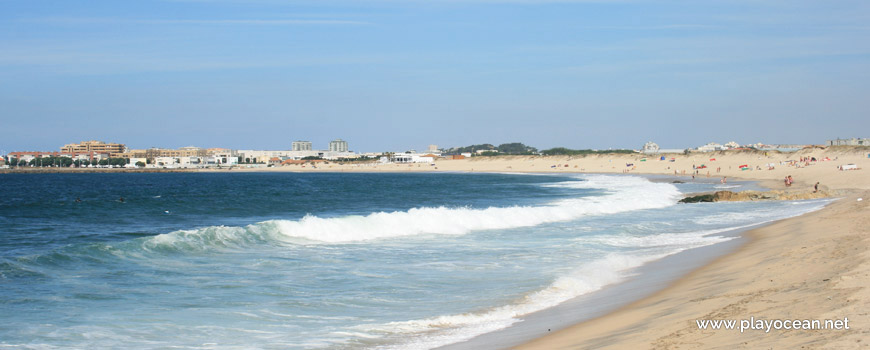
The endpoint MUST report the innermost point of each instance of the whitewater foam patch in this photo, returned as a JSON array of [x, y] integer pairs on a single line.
[[623, 193], [448, 329], [764, 215], [685, 239]]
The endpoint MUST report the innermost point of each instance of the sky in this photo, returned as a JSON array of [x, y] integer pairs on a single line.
[[393, 75]]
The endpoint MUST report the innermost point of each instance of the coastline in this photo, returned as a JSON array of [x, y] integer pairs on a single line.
[[644, 281], [784, 271], [811, 267]]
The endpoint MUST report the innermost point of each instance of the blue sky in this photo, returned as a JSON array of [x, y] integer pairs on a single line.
[[395, 75]]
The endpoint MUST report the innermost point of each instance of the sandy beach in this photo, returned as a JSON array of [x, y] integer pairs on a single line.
[[771, 167]]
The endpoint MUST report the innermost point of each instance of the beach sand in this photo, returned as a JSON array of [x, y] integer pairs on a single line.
[[718, 165]]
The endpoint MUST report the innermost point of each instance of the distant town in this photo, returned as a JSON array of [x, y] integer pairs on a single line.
[[99, 154]]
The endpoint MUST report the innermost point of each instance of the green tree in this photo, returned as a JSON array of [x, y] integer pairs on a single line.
[[516, 148], [140, 164]]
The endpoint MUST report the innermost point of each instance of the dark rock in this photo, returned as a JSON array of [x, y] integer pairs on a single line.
[[698, 199]]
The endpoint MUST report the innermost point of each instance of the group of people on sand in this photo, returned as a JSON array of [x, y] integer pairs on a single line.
[[788, 181]]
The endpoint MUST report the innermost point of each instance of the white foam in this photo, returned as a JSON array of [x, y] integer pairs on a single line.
[[690, 239], [448, 329], [765, 215], [624, 193], [726, 186]]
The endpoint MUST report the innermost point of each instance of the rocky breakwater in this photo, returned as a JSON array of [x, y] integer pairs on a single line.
[[728, 196]]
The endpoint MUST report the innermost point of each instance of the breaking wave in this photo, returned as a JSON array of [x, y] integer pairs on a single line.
[[622, 194]]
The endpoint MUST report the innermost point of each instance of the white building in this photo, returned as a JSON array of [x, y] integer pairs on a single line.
[[189, 162], [166, 162], [732, 145], [650, 148], [338, 145], [26, 158], [226, 158], [710, 147], [849, 142], [301, 146]]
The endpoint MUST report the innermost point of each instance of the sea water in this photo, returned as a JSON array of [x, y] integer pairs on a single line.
[[306, 261]]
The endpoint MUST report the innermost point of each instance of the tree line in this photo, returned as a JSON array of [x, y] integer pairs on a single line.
[[517, 148], [513, 148]]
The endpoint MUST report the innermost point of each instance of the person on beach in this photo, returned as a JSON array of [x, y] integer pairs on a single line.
[[724, 180], [816, 188]]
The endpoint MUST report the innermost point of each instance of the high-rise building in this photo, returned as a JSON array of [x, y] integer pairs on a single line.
[[94, 146], [338, 145], [301, 145]]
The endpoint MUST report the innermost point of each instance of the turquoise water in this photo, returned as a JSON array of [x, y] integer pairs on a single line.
[[300, 261]]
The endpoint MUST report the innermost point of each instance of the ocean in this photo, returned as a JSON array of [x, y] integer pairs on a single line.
[[329, 260]]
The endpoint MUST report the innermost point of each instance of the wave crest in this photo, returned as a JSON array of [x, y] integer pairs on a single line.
[[623, 194]]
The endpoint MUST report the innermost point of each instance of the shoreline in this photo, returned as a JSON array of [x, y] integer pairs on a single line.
[[646, 281], [642, 282], [750, 283], [814, 266]]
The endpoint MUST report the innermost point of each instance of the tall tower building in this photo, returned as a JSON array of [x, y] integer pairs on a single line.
[[301, 145], [338, 145]]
